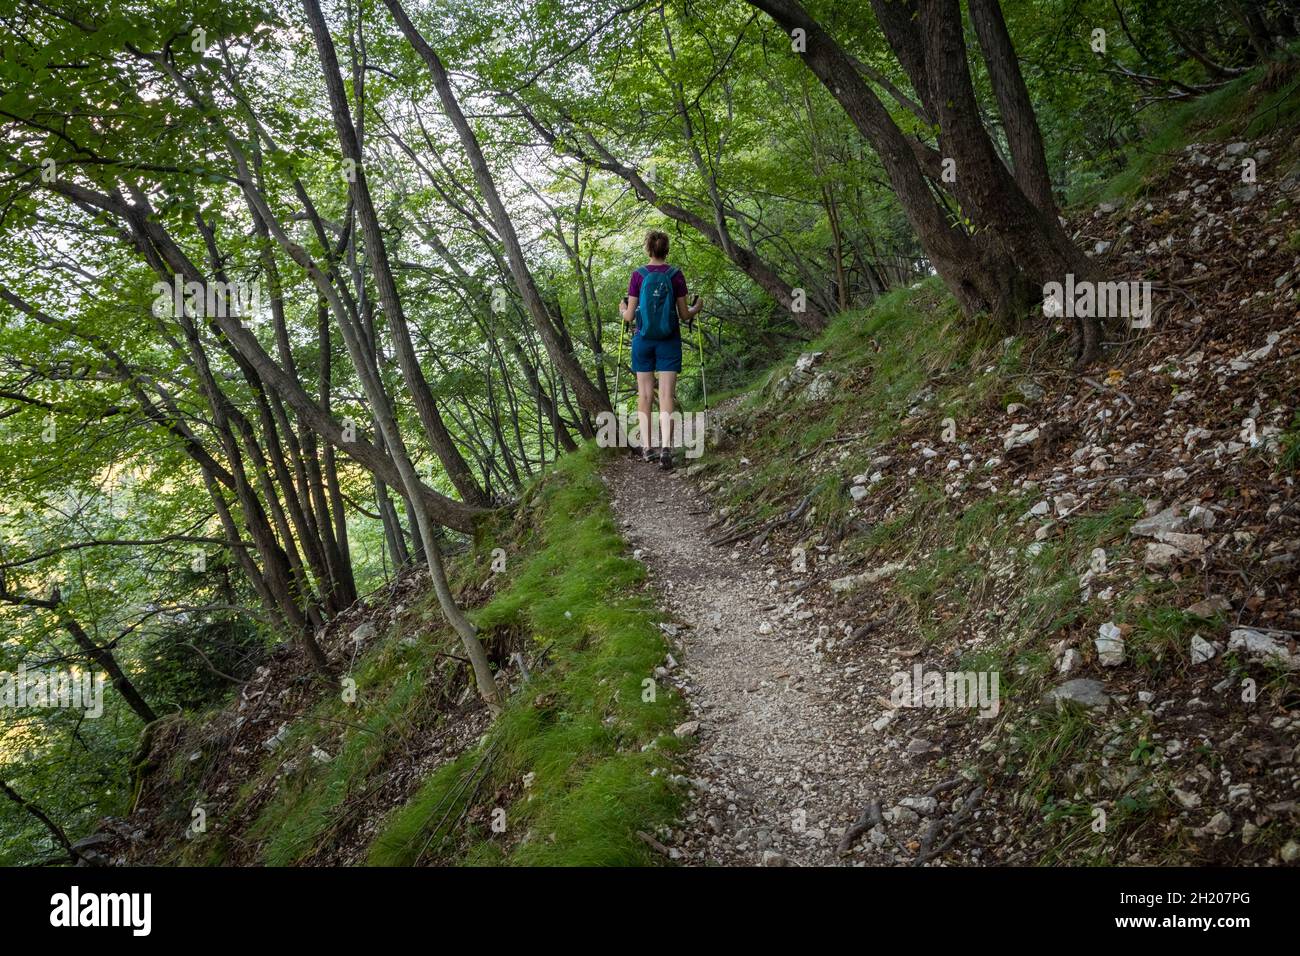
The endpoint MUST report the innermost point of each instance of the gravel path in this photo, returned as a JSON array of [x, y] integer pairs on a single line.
[[787, 759]]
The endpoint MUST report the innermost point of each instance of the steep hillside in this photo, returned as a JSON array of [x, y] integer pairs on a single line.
[[1119, 548], [401, 765], [705, 666]]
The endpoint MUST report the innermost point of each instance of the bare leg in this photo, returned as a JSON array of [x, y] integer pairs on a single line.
[[645, 387], [667, 401]]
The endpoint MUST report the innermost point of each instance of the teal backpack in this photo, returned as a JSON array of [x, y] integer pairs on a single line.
[[658, 305]]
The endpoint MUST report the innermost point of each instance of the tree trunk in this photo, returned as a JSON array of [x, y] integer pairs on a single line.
[[473, 647], [1014, 249], [444, 510], [106, 660], [590, 397], [56, 831], [1014, 105]]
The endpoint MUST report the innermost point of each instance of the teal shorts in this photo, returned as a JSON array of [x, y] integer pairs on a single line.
[[656, 355]]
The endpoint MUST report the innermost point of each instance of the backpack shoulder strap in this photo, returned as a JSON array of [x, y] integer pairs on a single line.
[[672, 271], [643, 271]]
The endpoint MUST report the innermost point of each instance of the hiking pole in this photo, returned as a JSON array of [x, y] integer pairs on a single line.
[[618, 369], [699, 343]]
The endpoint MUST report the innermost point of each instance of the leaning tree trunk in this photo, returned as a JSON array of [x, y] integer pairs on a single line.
[[1014, 106], [44, 819], [410, 483], [1013, 249], [591, 398]]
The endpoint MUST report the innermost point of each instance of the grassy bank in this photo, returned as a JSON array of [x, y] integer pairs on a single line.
[[582, 757], [581, 761]]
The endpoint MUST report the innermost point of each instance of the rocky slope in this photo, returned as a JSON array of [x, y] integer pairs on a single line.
[[1120, 547]]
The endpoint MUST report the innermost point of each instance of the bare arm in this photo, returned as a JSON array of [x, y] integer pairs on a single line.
[[687, 312]]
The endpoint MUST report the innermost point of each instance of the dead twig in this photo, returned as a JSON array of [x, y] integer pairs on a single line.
[[766, 529], [654, 844]]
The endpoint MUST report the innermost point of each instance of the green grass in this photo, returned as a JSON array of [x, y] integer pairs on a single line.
[[1162, 638], [1241, 109], [601, 756], [308, 805], [881, 358], [600, 752], [1289, 460]]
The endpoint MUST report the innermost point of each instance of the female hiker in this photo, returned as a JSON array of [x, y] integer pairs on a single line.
[[656, 297]]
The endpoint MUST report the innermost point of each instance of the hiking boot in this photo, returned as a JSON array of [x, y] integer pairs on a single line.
[[648, 454], [666, 459]]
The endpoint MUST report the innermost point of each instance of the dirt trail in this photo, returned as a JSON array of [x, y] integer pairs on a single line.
[[787, 757]]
